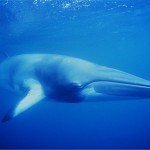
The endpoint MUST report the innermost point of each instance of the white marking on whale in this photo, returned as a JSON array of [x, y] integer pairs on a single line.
[[65, 79]]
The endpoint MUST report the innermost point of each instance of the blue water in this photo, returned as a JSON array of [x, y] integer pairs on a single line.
[[114, 33]]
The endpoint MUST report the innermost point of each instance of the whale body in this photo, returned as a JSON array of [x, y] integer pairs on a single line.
[[65, 79]]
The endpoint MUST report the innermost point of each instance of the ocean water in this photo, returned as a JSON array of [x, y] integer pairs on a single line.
[[114, 33]]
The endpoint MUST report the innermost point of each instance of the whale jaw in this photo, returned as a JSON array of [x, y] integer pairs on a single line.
[[116, 89]]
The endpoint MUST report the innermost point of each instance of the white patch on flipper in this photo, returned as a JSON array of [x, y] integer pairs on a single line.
[[34, 95]]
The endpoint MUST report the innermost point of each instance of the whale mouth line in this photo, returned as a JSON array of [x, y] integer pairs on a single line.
[[107, 82]]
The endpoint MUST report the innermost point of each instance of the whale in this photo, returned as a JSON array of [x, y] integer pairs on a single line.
[[62, 78]]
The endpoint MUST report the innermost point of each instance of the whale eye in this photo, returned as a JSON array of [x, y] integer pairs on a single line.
[[75, 85]]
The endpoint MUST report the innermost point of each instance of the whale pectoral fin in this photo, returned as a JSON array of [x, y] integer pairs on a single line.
[[34, 96]]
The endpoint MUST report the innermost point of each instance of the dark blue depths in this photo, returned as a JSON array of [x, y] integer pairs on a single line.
[[113, 33]]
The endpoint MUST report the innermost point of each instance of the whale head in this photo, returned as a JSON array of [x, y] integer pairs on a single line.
[[76, 79]]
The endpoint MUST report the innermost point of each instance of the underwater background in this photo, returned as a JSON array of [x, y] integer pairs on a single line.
[[113, 33]]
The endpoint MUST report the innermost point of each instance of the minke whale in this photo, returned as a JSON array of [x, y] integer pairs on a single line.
[[65, 79]]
